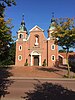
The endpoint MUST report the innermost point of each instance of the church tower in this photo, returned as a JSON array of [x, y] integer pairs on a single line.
[[20, 43], [52, 50], [51, 27], [35, 48]]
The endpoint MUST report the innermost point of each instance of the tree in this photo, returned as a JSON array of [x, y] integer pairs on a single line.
[[5, 28], [5, 35], [64, 35], [49, 91], [44, 63], [4, 81], [26, 63], [9, 59], [3, 4], [62, 51], [12, 50]]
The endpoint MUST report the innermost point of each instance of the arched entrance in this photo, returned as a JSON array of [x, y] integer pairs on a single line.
[[35, 58]]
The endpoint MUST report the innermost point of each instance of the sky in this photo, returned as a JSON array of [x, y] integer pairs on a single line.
[[39, 12]]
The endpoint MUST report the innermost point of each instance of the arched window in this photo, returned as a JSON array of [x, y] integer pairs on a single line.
[[20, 36], [20, 48], [52, 47], [36, 40], [19, 57], [53, 58]]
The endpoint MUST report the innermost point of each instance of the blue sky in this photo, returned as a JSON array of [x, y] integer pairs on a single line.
[[39, 12]]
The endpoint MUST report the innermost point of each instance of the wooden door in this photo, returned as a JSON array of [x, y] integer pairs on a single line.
[[36, 60]]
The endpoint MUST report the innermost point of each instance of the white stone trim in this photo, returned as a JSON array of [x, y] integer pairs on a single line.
[[19, 47], [60, 55], [39, 60], [48, 39], [19, 36], [21, 31], [36, 28], [24, 40], [16, 40], [20, 56], [35, 53], [28, 37], [52, 57], [31, 60], [52, 46], [36, 40]]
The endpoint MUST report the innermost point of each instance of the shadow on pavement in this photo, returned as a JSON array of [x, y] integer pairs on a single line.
[[54, 70], [48, 69], [49, 91], [63, 67], [4, 81]]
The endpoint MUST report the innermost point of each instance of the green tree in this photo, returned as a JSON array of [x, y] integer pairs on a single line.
[[44, 63], [64, 35], [8, 57], [26, 63], [5, 35], [4, 4], [62, 51], [5, 29], [12, 50]]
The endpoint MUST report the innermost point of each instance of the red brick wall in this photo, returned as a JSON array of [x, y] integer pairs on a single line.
[[43, 48], [52, 52]]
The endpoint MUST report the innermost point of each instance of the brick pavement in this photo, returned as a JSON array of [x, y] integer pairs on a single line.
[[39, 72], [25, 77]]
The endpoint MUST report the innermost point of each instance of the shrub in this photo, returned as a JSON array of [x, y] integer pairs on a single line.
[[26, 63], [44, 63], [72, 65]]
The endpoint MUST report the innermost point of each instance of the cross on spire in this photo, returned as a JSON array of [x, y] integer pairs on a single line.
[[23, 23], [52, 14], [53, 19], [22, 27], [23, 17]]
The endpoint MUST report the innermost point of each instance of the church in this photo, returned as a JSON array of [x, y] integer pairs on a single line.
[[34, 49]]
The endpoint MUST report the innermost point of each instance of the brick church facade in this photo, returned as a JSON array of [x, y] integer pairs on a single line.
[[34, 48]]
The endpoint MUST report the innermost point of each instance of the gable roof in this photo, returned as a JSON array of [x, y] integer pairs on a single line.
[[36, 28]]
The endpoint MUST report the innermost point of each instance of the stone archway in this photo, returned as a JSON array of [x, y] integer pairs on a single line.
[[35, 58]]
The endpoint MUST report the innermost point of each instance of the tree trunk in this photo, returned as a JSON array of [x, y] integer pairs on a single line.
[[68, 63], [0, 97]]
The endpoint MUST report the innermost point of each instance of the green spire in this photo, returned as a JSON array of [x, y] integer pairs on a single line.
[[52, 25], [53, 19], [22, 27]]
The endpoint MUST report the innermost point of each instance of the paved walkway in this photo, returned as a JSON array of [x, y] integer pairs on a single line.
[[25, 72], [19, 87], [25, 77]]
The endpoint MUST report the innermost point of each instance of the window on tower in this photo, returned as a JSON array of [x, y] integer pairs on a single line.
[[19, 57], [53, 58], [52, 47], [20, 36], [20, 48]]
